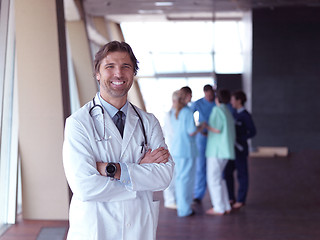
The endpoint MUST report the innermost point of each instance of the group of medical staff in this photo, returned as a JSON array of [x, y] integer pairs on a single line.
[[200, 162]]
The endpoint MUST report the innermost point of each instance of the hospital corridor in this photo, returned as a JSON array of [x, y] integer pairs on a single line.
[[90, 91]]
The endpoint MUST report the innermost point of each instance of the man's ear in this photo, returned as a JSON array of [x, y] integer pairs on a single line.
[[98, 76]]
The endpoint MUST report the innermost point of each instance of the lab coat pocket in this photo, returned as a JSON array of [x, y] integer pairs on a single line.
[[155, 216], [138, 149]]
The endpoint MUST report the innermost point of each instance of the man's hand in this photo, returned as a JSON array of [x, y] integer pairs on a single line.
[[212, 129], [159, 155], [101, 167]]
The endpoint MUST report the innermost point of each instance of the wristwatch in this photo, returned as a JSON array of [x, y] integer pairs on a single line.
[[111, 170]]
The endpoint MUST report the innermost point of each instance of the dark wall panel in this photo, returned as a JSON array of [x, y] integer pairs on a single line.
[[229, 81], [286, 77]]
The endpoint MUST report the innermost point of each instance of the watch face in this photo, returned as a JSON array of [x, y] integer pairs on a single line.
[[111, 168]]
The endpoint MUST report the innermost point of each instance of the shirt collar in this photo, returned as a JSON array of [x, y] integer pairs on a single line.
[[240, 110], [111, 110]]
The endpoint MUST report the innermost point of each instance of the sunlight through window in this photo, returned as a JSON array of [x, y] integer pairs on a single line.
[[176, 54]]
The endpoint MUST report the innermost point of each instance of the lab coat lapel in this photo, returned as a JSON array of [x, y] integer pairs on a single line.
[[130, 127], [97, 117], [111, 129]]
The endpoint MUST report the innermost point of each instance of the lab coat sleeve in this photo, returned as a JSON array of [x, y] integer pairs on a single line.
[[79, 163], [152, 176]]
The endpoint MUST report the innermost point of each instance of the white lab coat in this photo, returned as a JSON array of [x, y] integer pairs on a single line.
[[101, 208]]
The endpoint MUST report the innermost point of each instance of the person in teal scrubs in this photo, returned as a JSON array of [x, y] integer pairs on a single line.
[[184, 152], [220, 148]]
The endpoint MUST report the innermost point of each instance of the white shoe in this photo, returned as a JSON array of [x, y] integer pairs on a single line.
[[171, 206]]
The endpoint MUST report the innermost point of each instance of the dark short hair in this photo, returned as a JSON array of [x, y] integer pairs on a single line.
[[207, 87], [186, 90], [114, 46], [240, 95], [223, 96]]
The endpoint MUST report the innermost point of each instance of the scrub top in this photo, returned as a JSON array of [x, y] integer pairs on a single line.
[[183, 145], [204, 107], [221, 145]]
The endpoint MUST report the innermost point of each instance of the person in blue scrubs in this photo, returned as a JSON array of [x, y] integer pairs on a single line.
[[204, 107], [245, 129], [184, 151]]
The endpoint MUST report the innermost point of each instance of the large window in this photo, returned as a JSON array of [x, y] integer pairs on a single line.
[[157, 92], [177, 54], [8, 118], [171, 47], [228, 47]]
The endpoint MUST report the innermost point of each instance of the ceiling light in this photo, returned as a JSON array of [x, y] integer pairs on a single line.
[[150, 11], [163, 4]]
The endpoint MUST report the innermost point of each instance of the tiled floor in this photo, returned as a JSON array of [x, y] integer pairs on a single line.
[[29, 229], [283, 204]]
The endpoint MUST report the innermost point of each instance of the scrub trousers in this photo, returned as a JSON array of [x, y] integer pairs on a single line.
[[241, 166], [217, 185], [185, 174], [201, 167]]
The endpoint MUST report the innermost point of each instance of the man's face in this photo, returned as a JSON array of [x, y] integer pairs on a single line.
[[235, 103], [115, 76], [209, 95], [188, 98]]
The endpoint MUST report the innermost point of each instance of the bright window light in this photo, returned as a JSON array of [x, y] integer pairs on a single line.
[[228, 63], [168, 42], [163, 4], [168, 63], [186, 49], [227, 47], [197, 62], [161, 90]]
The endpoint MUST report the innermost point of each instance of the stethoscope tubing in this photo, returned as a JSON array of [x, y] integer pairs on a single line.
[[143, 129], [140, 118]]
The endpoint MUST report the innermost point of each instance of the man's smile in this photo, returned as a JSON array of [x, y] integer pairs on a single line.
[[117, 82]]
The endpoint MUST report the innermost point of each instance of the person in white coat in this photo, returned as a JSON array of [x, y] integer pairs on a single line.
[[114, 170], [169, 194]]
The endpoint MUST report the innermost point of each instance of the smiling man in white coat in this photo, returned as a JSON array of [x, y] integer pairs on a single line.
[[114, 161]]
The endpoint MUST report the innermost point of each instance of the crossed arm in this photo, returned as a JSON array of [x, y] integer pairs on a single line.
[[159, 155]]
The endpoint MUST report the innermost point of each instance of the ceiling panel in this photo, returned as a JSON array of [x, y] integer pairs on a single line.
[[133, 9]]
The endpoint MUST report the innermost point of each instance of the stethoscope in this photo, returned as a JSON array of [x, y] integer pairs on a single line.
[[104, 138]]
